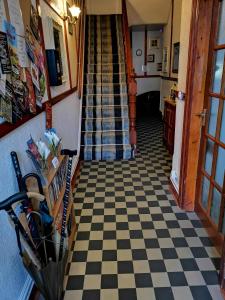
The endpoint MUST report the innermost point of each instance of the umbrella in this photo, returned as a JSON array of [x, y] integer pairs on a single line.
[[35, 235]]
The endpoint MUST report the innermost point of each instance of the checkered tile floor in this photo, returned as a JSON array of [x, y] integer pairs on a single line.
[[133, 242]]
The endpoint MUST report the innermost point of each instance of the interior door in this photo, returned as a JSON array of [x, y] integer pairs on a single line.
[[211, 195]]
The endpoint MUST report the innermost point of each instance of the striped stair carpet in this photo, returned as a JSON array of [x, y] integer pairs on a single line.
[[105, 112]]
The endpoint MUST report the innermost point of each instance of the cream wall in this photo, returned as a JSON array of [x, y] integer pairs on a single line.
[[167, 84], [103, 7], [184, 46]]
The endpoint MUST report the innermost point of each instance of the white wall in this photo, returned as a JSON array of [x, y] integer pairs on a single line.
[[147, 12], [165, 84], [103, 7], [138, 42], [184, 46], [14, 281]]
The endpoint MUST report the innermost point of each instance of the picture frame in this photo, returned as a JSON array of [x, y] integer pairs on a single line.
[[154, 43], [176, 53], [159, 67], [165, 60], [151, 58]]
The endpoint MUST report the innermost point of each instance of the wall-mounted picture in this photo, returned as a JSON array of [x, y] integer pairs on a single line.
[[151, 58], [154, 43], [176, 53], [165, 60], [159, 67], [139, 52]]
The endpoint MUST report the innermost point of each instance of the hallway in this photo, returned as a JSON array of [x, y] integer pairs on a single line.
[[133, 242]]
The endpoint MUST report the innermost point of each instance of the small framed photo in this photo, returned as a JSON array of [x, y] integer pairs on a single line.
[[154, 43], [151, 58], [159, 67], [176, 53]]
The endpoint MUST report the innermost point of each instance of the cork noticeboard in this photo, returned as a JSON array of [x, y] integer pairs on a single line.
[[23, 84]]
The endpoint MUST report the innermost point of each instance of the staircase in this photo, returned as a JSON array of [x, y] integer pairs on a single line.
[[105, 113]]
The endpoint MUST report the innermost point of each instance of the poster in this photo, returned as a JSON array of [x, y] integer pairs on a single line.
[[34, 21], [35, 75], [16, 16], [5, 108], [31, 96], [4, 54], [21, 52]]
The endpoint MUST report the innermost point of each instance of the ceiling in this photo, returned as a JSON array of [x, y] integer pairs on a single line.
[[148, 11], [140, 12]]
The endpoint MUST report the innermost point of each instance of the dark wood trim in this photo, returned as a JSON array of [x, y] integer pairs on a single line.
[[6, 128], [62, 96], [146, 50], [55, 11], [188, 102], [217, 238], [169, 78], [171, 38]]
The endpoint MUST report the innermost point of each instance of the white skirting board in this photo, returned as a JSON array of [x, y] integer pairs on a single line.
[[175, 180]]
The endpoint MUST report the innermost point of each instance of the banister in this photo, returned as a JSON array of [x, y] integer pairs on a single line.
[[131, 82]]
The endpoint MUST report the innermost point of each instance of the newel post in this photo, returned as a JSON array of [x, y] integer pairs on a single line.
[[132, 91]]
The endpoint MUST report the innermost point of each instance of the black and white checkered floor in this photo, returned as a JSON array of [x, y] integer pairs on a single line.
[[133, 242]]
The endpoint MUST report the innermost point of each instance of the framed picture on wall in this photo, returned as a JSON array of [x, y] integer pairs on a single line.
[[154, 43], [151, 58], [176, 53], [165, 60]]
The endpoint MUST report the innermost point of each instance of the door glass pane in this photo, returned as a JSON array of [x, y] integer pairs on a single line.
[[215, 208], [209, 156], [213, 116], [218, 71], [205, 192], [221, 35], [220, 166], [222, 131]]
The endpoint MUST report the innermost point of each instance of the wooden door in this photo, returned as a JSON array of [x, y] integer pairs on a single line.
[[211, 183]]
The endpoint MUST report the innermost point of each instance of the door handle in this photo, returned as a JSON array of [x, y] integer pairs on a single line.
[[202, 115]]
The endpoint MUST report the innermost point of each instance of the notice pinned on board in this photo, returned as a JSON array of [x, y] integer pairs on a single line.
[[16, 16], [2, 13], [21, 52]]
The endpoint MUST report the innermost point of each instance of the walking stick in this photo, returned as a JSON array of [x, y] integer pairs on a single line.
[[66, 198]]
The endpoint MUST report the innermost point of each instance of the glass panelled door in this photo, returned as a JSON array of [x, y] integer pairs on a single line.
[[212, 191]]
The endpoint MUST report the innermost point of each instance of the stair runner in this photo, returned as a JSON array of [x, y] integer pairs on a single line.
[[105, 113]]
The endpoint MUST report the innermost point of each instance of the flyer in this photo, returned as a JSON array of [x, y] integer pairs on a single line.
[[31, 95], [21, 52], [16, 16], [35, 76], [5, 108], [34, 21], [4, 54]]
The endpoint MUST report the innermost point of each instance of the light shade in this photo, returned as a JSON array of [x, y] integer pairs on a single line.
[[75, 11]]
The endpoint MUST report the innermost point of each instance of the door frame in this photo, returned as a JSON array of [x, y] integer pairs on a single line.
[[203, 22]]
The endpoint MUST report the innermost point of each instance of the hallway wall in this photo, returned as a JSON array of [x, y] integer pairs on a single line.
[[166, 84], [184, 47], [16, 284]]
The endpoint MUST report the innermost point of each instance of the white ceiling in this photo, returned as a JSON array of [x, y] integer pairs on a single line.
[[140, 12], [148, 11]]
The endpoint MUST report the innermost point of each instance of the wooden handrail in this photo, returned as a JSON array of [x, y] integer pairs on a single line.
[[131, 82]]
